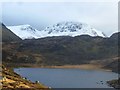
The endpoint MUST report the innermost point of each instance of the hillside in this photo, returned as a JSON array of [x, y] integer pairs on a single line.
[[7, 35], [61, 50]]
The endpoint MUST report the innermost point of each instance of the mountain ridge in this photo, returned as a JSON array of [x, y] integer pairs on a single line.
[[60, 29]]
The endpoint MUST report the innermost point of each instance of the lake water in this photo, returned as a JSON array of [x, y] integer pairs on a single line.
[[68, 78]]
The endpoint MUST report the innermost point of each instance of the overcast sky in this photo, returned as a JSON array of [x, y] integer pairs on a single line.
[[100, 15]]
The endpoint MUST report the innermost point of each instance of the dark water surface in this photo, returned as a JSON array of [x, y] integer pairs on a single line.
[[68, 78]]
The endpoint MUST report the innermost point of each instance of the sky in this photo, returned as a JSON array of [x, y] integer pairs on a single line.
[[101, 15]]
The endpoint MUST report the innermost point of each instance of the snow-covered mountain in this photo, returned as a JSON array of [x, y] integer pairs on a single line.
[[72, 29], [59, 29]]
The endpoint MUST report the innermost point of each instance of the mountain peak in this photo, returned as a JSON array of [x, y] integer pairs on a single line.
[[73, 29]]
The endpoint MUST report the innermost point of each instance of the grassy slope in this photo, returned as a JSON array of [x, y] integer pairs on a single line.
[[14, 81]]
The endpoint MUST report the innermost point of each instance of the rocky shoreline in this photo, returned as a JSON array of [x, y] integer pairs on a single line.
[[114, 83]]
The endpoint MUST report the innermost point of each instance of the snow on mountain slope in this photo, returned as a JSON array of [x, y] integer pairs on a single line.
[[59, 29], [72, 29], [24, 31]]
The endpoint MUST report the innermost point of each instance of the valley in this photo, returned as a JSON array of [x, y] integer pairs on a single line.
[[79, 52], [48, 44]]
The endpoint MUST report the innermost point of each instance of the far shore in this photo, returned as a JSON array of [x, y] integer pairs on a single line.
[[82, 66]]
